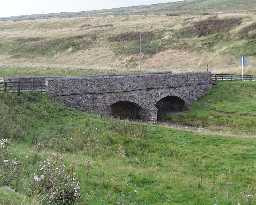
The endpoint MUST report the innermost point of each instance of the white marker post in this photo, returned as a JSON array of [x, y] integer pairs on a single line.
[[242, 66]]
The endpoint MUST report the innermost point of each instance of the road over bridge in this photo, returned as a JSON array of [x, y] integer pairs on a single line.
[[141, 97]]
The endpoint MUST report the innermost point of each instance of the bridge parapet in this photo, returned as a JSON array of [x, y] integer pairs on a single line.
[[125, 83], [112, 95]]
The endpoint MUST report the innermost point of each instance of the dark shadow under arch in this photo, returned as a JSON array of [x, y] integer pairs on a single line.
[[126, 110], [169, 105]]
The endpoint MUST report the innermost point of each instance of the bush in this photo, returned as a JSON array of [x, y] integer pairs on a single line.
[[9, 168], [55, 184]]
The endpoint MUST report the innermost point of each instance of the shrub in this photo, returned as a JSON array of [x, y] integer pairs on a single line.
[[55, 184]]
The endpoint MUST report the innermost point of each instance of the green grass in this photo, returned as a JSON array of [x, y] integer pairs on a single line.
[[229, 106], [11, 198], [134, 163]]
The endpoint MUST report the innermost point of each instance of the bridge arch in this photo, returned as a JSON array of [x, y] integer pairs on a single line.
[[145, 95], [127, 110], [169, 104]]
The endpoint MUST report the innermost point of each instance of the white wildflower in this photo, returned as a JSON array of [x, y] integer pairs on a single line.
[[38, 178], [3, 143]]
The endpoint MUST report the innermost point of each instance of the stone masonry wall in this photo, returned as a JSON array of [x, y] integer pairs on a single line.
[[97, 94]]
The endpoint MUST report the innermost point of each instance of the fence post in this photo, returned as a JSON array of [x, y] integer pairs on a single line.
[[19, 87], [5, 86], [41, 86], [33, 85]]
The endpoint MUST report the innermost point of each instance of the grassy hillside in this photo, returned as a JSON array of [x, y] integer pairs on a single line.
[[179, 7], [217, 5], [229, 106], [78, 46], [189, 7], [178, 42], [120, 162]]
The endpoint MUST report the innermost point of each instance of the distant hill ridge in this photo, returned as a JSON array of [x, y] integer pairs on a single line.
[[186, 6], [143, 9]]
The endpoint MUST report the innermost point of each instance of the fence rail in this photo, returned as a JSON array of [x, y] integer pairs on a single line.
[[18, 86], [231, 77]]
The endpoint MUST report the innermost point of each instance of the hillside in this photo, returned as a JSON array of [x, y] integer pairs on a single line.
[[179, 7], [214, 6], [185, 41], [120, 162], [78, 46]]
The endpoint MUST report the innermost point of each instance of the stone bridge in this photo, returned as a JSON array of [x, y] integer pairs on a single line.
[[143, 97]]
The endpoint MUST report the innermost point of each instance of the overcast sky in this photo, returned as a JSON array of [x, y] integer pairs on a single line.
[[22, 7]]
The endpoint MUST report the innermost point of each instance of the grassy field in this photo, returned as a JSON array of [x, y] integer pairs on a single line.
[[229, 106], [121, 162]]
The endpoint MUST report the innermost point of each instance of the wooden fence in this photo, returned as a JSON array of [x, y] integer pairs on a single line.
[[19, 85], [231, 77]]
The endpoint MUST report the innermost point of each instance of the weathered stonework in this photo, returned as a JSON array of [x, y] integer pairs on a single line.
[[97, 94]]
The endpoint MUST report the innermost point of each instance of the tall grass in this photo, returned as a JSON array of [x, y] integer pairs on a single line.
[[119, 162]]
